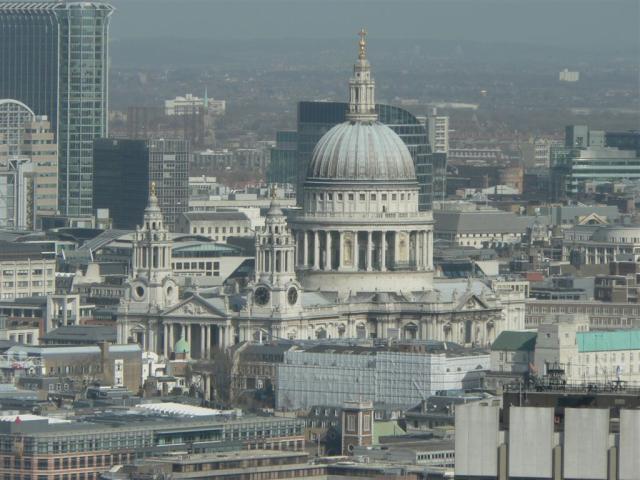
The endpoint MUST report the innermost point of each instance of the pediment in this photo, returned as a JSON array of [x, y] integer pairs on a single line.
[[195, 306], [471, 302]]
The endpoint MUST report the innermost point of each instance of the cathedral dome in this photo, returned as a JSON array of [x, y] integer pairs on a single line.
[[361, 151]]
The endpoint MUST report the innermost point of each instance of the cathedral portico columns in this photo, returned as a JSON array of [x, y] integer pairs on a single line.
[[316, 250], [203, 352], [327, 247], [356, 251], [207, 341], [305, 248], [369, 249], [383, 250], [166, 340]]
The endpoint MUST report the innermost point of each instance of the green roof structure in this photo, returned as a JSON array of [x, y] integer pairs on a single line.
[[606, 341], [513, 341]]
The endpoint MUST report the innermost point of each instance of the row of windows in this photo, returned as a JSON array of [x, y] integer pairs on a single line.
[[195, 266], [217, 230], [25, 284], [362, 196], [23, 272]]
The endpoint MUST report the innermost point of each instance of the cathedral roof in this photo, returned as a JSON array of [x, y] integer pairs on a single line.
[[359, 151]]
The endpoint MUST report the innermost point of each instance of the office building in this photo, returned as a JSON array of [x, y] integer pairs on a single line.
[[26, 270], [124, 171], [53, 58], [317, 118], [28, 167], [438, 132], [85, 447], [590, 157]]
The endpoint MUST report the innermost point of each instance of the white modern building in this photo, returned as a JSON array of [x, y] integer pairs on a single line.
[[217, 226], [438, 132]]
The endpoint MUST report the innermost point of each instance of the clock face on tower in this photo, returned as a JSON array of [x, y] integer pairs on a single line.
[[262, 295], [292, 295]]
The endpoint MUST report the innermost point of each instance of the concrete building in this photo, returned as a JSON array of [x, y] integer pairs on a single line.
[[44, 47], [599, 315], [25, 271], [217, 226], [393, 376], [438, 132], [28, 167], [535, 435], [621, 285]]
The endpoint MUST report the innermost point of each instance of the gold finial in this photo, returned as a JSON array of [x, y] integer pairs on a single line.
[[153, 189], [274, 191], [363, 44]]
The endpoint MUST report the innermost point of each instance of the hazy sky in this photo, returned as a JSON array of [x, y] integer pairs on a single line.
[[603, 24]]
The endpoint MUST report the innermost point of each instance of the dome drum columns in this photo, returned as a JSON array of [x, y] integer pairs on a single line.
[[364, 250]]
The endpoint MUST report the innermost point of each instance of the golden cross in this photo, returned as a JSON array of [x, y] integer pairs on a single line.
[[363, 44]]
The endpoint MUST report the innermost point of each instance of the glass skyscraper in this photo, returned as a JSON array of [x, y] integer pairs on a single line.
[[124, 170], [317, 118], [53, 58]]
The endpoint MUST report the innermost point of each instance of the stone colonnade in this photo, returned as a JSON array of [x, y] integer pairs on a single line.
[[364, 250], [201, 337]]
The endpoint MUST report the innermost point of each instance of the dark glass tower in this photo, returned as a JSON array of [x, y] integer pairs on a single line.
[[124, 169], [53, 58], [317, 118], [121, 180]]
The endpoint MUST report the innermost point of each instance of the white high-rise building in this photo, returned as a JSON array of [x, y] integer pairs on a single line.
[[438, 131]]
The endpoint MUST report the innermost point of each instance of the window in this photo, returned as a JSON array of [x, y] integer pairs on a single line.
[[362, 197]]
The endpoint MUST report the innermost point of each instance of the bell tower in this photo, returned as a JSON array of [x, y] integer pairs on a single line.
[[151, 259], [275, 285]]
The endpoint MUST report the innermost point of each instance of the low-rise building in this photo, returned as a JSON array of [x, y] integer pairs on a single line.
[[479, 228], [216, 225], [395, 376], [513, 351]]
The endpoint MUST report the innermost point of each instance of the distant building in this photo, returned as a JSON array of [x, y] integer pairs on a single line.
[[593, 157], [621, 285], [54, 58], [438, 132], [124, 170], [600, 244], [567, 75], [190, 104], [28, 167]]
